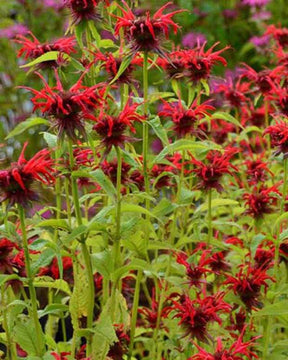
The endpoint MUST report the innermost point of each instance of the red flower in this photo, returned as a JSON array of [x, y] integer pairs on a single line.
[[173, 64], [217, 262], [16, 183], [84, 10], [261, 201], [247, 285], [110, 169], [199, 63], [279, 34], [144, 33], [53, 269], [196, 272], [195, 315], [120, 348], [279, 136], [112, 128], [34, 49], [112, 65], [67, 108], [6, 248], [263, 80], [184, 120], [256, 171], [234, 93], [210, 172], [235, 352]]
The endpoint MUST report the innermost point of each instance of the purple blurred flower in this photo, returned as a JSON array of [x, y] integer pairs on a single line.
[[255, 3], [261, 15], [260, 41], [193, 39], [55, 4], [230, 13], [11, 31]]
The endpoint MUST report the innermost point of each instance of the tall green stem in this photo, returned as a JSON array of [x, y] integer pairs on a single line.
[[210, 229], [85, 252], [117, 248], [147, 201], [32, 293]]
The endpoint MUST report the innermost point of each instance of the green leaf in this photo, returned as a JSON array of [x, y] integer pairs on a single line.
[[163, 208], [47, 282], [216, 203], [158, 95], [25, 335], [79, 31], [227, 117], [76, 233], [126, 207], [54, 223], [24, 125], [53, 309], [184, 144], [279, 219], [159, 130], [4, 278], [124, 64], [50, 139], [279, 308], [205, 87], [43, 260], [103, 263], [104, 182], [49, 56]]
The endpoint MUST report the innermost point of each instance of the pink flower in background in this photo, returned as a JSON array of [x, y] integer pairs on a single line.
[[255, 3], [55, 4], [193, 39], [11, 31]]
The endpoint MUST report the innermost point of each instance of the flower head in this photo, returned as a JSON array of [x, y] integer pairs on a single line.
[[279, 137], [261, 201], [112, 129], [279, 34], [184, 120], [84, 10], [210, 172], [32, 49], [67, 108], [247, 284], [16, 183], [145, 33]]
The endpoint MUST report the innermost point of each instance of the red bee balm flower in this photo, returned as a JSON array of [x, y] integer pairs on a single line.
[[112, 128], [199, 63], [145, 33], [236, 351], [211, 172], [279, 137], [247, 284], [68, 108], [82, 10], [184, 120], [16, 183], [261, 201], [34, 49]]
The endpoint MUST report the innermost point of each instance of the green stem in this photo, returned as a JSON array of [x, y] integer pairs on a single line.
[[210, 229], [11, 350], [117, 243], [85, 252], [32, 293], [267, 338], [134, 312], [145, 127]]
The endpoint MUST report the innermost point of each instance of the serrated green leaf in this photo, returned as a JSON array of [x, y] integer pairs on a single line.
[[55, 309], [54, 223], [76, 233], [47, 282], [104, 182], [103, 263], [25, 125], [163, 208], [279, 308], [25, 335], [124, 64]]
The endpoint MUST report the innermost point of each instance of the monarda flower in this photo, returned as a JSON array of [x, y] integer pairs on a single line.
[[185, 120], [84, 10], [247, 284], [32, 49], [112, 65], [17, 183], [211, 171], [144, 33], [256, 171], [235, 352], [110, 169], [279, 34], [195, 315], [261, 201], [67, 108], [52, 270], [279, 137], [263, 80], [199, 63], [234, 93], [6, 249], [173, 64], [111, 129]]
